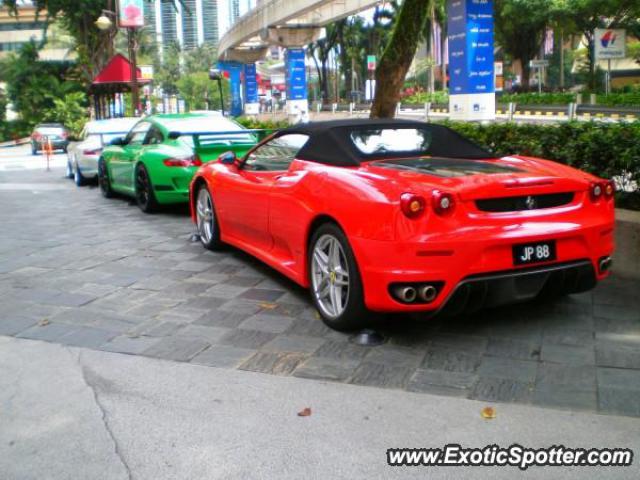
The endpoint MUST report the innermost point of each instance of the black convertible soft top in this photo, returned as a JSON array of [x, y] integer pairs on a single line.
[[330, 142]]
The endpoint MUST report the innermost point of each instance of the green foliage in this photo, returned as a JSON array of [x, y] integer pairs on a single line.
[[34, 85], [196, 88], [423, 97], [71, 111], [604, 149], [252, 123]]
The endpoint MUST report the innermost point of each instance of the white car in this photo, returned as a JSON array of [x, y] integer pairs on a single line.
[[83, 155]]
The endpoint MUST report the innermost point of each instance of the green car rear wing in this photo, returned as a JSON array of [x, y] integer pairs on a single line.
[[209, 145]]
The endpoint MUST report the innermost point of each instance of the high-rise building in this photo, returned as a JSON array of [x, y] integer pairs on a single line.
[[189, 23]]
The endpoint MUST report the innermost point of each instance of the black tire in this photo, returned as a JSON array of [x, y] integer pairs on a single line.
[[207, 225], [78, 178], [355, 314], [144, 190], [69, 173], [103, 179]]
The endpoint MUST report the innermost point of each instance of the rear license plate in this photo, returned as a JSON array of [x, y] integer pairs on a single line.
[[534, 252]]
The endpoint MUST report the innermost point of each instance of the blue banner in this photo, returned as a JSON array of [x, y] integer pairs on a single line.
[[250, 83], [235, 80], [470, 32], [296, 76]]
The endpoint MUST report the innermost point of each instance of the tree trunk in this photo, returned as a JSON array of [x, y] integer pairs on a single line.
[[526, 74], [397, 56]]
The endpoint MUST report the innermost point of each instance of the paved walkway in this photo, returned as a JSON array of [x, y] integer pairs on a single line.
[[80, 270], [71, 413]]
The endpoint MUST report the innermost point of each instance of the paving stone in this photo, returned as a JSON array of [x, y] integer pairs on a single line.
[[619, 378], [87, 337], [252, 339], [341, 350], [176, 348], [501, 390], [568, 354], [313, 327], [240, 281], [267, 323], [616, 401], [241, 306], [564, 396], [394, 356], [508, 368], [621, 356], [210, 334], [207, 303], [129, 345], [451, 360], [293, 343], [577, 377], [283, 363], [153, 328], [262, 294], [559, 335], [618, 313], [14, 325], [222, 290], [508, 348], [223, 356], [379, 375], [332, 369], [467, 343], [50, 333], [221, 318], [441, 382]]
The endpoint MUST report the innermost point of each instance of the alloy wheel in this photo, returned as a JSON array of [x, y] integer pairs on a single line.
[[330, 276], [205, 216], [142, 187]]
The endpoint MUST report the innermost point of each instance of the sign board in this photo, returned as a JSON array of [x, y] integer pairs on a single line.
[[539, 63], [370, 90], [371, 63], [296, 81], [471, 67], [251, 103], [131, 13], [610, 43], [235, 74], [146, 72]]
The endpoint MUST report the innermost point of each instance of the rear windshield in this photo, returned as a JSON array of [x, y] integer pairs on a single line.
[[388, 142]]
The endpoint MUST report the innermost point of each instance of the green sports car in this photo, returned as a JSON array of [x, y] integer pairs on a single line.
[[155, 162]]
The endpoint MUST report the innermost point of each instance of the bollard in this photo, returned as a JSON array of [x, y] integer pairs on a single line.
[[511, 111], [318, 107], [592, 99], [351, 109], [571, 112], [427, 110], [334, 108], [398, 107]]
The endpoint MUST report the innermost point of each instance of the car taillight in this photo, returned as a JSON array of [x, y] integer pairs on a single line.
[[183, 162], [609, 188], [412, 205], [443, 203]]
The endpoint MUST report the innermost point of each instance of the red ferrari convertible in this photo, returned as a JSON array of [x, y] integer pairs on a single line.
[[405, 216]]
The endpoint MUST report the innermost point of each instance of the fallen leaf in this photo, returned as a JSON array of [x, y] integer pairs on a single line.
[[44, 322], [318, 315], [305, 413], [488, 413], [268, 305]]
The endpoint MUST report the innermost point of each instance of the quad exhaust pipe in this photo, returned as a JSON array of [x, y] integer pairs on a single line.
[[428, 293], [604, 264], [418, 293], [406, 294]]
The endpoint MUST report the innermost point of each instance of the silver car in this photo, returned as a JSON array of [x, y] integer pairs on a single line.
[[83, 155]]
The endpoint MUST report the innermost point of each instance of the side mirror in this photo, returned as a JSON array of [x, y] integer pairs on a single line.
[[228, 158], [118, 141]]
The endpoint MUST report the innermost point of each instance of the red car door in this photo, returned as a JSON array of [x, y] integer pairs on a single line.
[[244, 200]]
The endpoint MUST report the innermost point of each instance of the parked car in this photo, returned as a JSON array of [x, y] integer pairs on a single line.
[[155, 162], [83, 155], [56, 133], [405, 216]]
